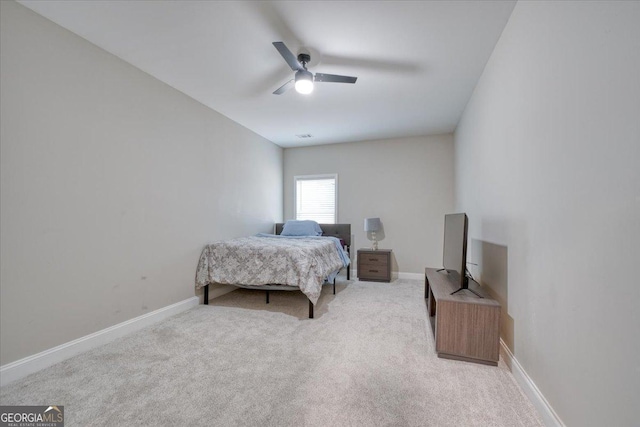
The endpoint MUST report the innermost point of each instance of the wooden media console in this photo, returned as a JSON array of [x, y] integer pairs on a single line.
[[465, 326]]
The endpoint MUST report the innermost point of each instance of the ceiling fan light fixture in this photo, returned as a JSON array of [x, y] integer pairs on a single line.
[[304, 79], [304, 82]]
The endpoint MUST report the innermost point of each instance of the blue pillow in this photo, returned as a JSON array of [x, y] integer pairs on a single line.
[[301, 228]]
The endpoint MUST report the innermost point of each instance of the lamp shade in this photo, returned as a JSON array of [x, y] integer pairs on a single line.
[[372, 224]]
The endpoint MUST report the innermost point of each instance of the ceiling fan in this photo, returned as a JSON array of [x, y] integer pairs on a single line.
[[304, 79]]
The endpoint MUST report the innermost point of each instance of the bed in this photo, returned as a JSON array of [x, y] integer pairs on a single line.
[[275, 262]]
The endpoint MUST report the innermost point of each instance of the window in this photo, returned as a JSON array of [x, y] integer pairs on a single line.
[[316, 198]]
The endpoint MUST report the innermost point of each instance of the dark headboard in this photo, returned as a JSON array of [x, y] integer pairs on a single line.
[[341, 231]]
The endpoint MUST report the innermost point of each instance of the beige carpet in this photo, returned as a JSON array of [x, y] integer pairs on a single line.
[[367, 359]]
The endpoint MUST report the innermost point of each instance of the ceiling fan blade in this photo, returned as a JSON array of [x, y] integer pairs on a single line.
[[285, 87], [288, 56], [334, 78]]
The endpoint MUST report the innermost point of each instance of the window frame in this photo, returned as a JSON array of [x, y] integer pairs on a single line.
[[296, 178]]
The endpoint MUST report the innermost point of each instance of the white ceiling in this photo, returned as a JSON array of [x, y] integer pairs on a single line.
[[417, 62]]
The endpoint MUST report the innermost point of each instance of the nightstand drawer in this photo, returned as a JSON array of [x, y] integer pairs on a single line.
[[369, 258], [373, 272]]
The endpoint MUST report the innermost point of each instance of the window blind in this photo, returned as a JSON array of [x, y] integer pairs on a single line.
[[316, 199]]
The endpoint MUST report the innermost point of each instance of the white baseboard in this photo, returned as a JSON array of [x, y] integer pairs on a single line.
[[28, 365], [394, 275], [546, 412]]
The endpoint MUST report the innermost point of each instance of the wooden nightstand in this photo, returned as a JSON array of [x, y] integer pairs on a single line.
[[374, 266]]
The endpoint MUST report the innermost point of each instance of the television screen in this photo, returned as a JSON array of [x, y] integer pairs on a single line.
[[455, 247]]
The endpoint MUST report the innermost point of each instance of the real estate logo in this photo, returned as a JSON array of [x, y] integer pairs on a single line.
[[31, 416]]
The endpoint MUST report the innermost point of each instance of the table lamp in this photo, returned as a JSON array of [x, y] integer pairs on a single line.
[[372, 225]]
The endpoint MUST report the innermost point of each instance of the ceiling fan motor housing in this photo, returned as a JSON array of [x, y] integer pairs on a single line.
[[304, 59], [304, 75]]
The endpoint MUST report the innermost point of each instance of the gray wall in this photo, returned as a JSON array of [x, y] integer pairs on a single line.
[[548, 169], [112, 182], [407, 182]]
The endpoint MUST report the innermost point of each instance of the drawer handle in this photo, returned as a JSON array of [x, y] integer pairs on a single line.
[[373, 259], [373, 271]]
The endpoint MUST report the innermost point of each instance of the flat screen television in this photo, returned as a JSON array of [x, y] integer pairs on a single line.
[[454, 258]]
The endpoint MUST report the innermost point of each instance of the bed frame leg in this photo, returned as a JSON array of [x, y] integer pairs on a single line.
[[334, 285], [267, 292], [348, 271], [310, 310], [206, 295]]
